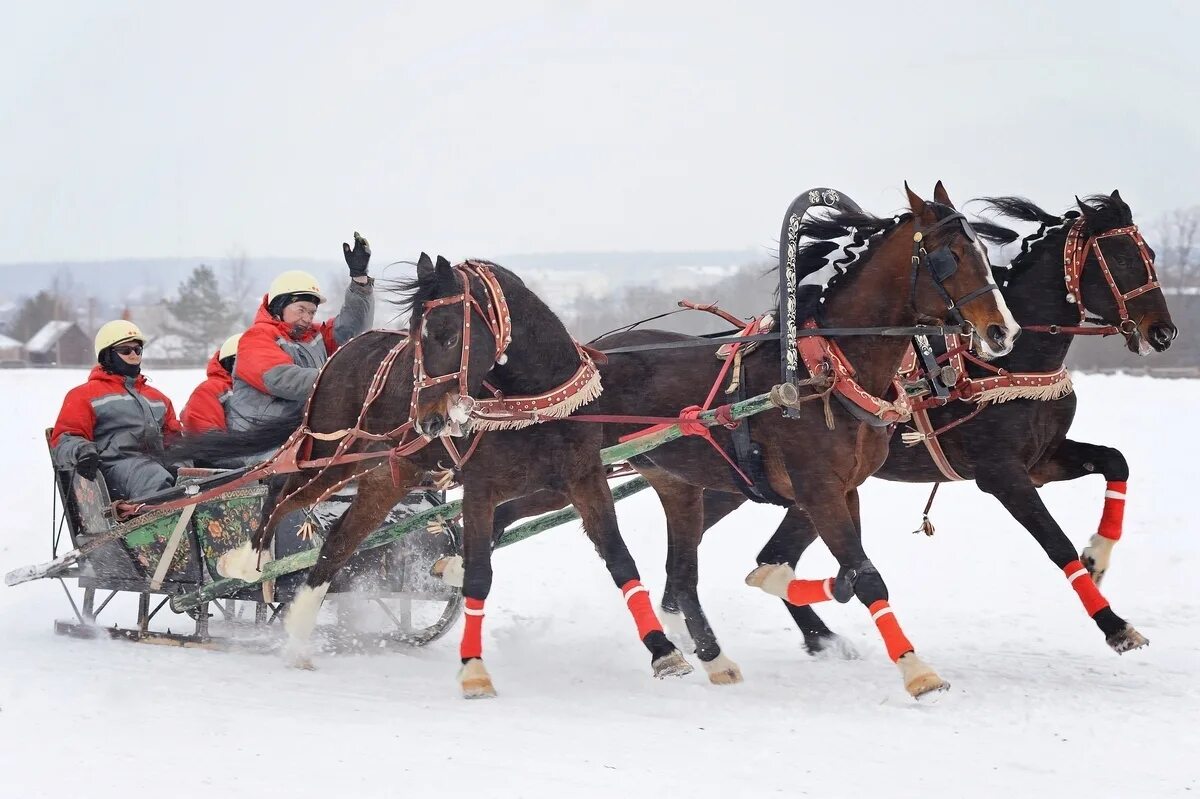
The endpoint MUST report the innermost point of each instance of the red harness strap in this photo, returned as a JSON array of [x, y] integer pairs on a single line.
[[820, 353]]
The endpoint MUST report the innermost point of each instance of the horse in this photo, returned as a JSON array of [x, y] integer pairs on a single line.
[[1012, 448], [476, 335], [814, 463]]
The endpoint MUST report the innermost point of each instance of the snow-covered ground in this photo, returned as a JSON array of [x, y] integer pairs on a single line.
[[1039, 706]]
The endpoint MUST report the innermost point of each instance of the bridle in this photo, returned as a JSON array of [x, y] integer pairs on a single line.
[[493, 312], [1075, 253], [941, 266]]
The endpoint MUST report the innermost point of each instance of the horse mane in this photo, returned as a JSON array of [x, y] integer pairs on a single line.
[[1105, 213], [411, 294], [818, 273]]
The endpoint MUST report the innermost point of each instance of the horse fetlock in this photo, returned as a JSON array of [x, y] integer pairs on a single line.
[[450, 570], [1096, 556], [244, 563], [830, 646], [919, 678], [475, 681], [722, 671], [863, 581], [773, 578], [676, 628]]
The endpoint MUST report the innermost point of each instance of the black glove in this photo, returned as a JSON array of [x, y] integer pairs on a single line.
[[357, 258], [87, 461]]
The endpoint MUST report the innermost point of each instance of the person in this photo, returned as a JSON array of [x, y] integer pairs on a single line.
[[279, 356], [205, 408], [115, 421]]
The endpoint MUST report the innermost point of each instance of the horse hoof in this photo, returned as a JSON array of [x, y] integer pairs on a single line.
[[772, 578], [475, 681], [722, 671], [919, 678], [1127, 640], [673, 664], [830, 646], [450, 570]]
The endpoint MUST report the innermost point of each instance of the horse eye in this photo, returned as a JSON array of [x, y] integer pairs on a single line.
[[452, 341]]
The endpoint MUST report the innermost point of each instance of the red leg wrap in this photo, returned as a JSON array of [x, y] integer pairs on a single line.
[[472, 643], [810, 592], [1113, 519], [637, 597], [1093, 601], [894, 639]]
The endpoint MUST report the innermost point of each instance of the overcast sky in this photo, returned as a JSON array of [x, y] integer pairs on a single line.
[[178, 129]]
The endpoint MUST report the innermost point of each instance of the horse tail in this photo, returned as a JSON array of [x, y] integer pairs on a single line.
[[218, 445]]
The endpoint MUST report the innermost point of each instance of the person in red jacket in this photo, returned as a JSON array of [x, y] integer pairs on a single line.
[[115, 421], [280, 355], [205, 409]]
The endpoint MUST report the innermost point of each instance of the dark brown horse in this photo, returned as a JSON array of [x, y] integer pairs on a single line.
[[469, 324], [814, 469], [1011, 449]]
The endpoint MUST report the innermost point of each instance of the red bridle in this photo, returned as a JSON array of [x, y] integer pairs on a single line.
[[1075, 253], [494, 313]]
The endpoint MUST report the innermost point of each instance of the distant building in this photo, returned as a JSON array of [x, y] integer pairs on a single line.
[[11, 349], [60, 343]]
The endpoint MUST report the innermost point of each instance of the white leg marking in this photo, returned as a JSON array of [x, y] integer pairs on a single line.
[[1097, 555], [451, 570], [242, 563], [722, 671], [773, 578], [300, 621], [677, 629]]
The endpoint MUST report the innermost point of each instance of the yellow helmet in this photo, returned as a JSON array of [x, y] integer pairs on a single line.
[[229, 347], [294, 281], [115, 332]]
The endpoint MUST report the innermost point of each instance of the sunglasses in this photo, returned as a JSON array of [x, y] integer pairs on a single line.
[[128, 349]]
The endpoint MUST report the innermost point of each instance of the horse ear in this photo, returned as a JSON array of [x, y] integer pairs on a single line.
[[940, 195], [424, 267], [915, 203], [443, 265]]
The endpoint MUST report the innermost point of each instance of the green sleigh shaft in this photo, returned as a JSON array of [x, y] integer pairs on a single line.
[[441, 513]]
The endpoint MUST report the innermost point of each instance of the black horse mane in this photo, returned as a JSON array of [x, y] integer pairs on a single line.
[[1105, 212], [411, 294], [822, 232]]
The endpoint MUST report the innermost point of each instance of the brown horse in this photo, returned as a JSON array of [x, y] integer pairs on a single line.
[[812, 466], [469, 324]]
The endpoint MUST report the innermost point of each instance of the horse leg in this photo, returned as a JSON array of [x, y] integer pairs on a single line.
[[832, 514], [716, 506], [1013, 486], [683, 505], [299, 490], [794, 535], [1076, 459], [375, 497], [478, 521], [590, 494]]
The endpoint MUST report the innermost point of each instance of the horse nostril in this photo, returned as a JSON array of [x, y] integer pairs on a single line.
[[995, 334], [1162, 335], [434, 424]]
